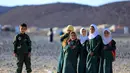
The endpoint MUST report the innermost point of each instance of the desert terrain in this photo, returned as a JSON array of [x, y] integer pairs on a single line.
[[45, 54]]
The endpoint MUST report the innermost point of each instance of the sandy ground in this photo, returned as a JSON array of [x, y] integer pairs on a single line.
[[45, 55]]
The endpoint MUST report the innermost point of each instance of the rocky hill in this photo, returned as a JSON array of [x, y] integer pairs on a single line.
[[4, 9], [62, 14]]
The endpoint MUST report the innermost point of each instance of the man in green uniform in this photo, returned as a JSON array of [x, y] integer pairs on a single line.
[[94, 47], [22, 49]]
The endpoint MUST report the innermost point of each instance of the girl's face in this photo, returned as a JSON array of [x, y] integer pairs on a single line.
[[73, 36], [106, 33], [92, 29], [84, 32]]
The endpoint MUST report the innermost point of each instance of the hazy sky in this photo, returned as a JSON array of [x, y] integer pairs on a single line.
[[36, 2]]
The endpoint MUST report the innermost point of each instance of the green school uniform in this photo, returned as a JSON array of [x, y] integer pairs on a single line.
[[63, 39], [107, 58], [82, 59], [71, 54], [60, 61], [94, 46]]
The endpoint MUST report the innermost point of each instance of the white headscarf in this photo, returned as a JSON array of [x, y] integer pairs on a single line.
[[107, 40], [83, 38], [93, 35]]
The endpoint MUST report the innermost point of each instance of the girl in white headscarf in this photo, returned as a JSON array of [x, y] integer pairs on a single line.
[[83, 35], [93, 31], [83, 56], [94, 48], [108, 52], [107, 37]]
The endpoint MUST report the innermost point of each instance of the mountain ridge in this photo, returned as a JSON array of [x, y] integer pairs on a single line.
[[62, 14]]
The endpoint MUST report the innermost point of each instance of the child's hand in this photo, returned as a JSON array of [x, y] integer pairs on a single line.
[[14, 54], [72, 47], [29, 54], [68, 31], [105, 47], [91, 53]]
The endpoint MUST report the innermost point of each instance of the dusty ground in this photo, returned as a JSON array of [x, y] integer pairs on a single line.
[[45, 55]]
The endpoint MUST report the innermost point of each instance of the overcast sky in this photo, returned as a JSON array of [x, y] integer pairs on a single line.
[[37, 2]]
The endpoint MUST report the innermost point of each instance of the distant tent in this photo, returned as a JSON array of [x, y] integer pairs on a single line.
[[8, 28], [126, 30], [17, 29], [113, 28]]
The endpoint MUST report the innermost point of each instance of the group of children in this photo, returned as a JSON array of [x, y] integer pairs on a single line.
[[91, 53]]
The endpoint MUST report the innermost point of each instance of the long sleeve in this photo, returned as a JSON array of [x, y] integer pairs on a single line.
[[64, 36], [60, 61], [29, 44], [87, 46], [66, 48], [112, 46], [98, 45], [82, 60], [15, 44]]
